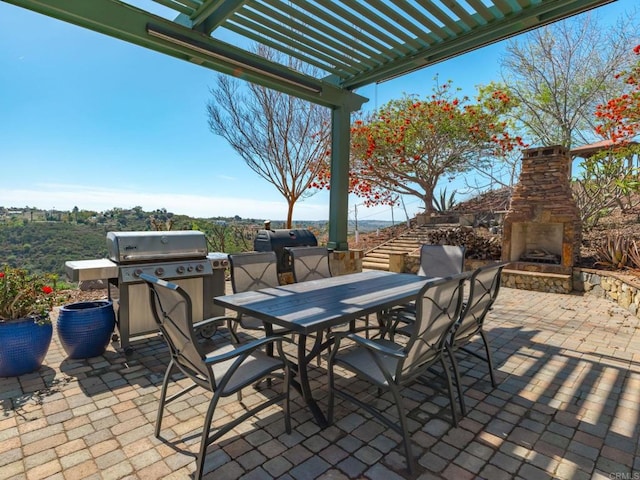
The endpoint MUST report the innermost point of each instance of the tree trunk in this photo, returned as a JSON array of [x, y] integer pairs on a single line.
[[290, 204], [427, 198]]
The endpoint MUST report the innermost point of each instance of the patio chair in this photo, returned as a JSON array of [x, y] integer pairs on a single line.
[[252, 271], [435, 261], [309, 263], [312, 263], [441, 260], [390, 366], [223, 369], [484, 285]]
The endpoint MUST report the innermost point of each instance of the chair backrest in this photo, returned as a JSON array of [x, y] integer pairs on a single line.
[[309, 263], [438, 307], [253, 271], [441, 260], [173, 312], [484, 285]]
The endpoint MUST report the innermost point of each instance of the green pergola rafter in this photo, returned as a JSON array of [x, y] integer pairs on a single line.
[[352, 43]]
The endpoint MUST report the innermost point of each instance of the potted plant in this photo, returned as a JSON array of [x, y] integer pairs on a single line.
[[26, 301], [85, 328]]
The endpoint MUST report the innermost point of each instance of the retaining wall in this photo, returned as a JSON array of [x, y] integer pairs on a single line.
[[620, 288]]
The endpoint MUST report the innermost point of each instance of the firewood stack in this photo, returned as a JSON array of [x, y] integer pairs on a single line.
[[480, 247]]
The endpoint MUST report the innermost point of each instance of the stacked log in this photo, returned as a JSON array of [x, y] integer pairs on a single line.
[[477, 246]]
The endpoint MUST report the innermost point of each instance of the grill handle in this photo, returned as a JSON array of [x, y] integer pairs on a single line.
[[171, 256]]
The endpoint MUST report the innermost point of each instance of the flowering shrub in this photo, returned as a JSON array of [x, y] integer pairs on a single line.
[[25, 295], [620, 117], [407, 145]]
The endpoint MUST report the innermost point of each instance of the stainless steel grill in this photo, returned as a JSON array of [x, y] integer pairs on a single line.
[[180, 257]]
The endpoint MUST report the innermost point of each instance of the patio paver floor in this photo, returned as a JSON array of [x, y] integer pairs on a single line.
[[567, 406]]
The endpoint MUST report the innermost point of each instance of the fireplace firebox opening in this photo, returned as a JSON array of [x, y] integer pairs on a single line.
[[537, 242]]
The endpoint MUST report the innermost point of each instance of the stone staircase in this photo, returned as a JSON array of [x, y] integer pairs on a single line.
[[407, 242]]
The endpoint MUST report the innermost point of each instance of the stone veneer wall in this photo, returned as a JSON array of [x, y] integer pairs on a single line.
[[621, 289], [343, 262], [521, 279], [538, 282], [624, 290]]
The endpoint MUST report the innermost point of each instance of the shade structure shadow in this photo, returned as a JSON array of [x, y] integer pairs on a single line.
[[565, 407]]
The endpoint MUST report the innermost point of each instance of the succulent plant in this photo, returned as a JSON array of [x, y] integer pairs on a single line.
[[614, 252], [634, 254]]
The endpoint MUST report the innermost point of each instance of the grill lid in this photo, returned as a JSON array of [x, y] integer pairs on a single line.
[[131, 247], [277, 240]]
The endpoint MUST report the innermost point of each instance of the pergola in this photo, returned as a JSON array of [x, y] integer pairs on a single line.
[[351, 42]]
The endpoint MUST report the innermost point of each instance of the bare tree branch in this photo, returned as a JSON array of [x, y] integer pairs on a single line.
[[559, 74], [280, 137]]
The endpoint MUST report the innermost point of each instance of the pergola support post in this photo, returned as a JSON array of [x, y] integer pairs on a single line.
[[339, 193]]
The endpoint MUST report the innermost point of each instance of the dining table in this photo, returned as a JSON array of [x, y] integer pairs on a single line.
[[312, 308]]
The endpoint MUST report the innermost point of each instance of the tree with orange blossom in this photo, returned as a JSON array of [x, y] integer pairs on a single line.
[[620, 116], [408, 145], [609, 179]]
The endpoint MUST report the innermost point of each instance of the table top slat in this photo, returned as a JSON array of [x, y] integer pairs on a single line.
[[315, 305]]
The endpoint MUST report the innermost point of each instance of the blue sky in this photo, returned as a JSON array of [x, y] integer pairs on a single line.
[[91, 121]]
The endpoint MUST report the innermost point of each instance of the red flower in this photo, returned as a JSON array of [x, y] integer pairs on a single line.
[[1, 274], [47, 289]]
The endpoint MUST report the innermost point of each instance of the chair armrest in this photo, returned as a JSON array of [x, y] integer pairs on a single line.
[[207, 321], [371, 345], [247, 348]]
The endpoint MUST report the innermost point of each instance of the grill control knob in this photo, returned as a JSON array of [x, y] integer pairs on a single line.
[[180, 269], [199, 267], [137, 272], [190, 268], [216, 263], [159, 271]]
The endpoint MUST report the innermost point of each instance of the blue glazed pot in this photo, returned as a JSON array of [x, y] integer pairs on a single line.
[[23, 346], [85, 328]]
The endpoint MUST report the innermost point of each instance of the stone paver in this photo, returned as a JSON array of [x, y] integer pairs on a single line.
[[568, 368]]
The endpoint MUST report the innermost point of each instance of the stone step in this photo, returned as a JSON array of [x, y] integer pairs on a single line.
[[378, 254], [393, 247], [404, 243], [377, 259], [407, 242], [413, 240], [375, 266]]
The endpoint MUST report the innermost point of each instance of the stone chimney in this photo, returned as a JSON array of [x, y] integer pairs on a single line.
[[542, 228]]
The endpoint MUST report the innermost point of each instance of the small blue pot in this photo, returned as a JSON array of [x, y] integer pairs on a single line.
[[85, 328], [23, 346]]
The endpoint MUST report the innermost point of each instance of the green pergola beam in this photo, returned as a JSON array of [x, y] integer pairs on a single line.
[[136, 26], [482, 35]]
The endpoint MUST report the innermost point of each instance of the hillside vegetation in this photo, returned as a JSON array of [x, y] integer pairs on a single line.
[[42, 241], [45, 246]]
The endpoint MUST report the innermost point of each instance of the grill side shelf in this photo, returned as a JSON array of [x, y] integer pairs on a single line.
[[81, 270]]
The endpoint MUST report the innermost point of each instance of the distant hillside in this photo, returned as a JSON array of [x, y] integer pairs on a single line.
[[42, 241], [45, 246]]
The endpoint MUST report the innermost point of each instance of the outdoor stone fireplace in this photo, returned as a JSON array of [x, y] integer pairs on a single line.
[[542, 228]]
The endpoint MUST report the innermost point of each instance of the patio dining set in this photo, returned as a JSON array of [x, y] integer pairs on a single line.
[[388, 329]]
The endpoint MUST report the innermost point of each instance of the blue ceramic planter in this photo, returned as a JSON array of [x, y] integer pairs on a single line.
[[85, 328], [23, 346]]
